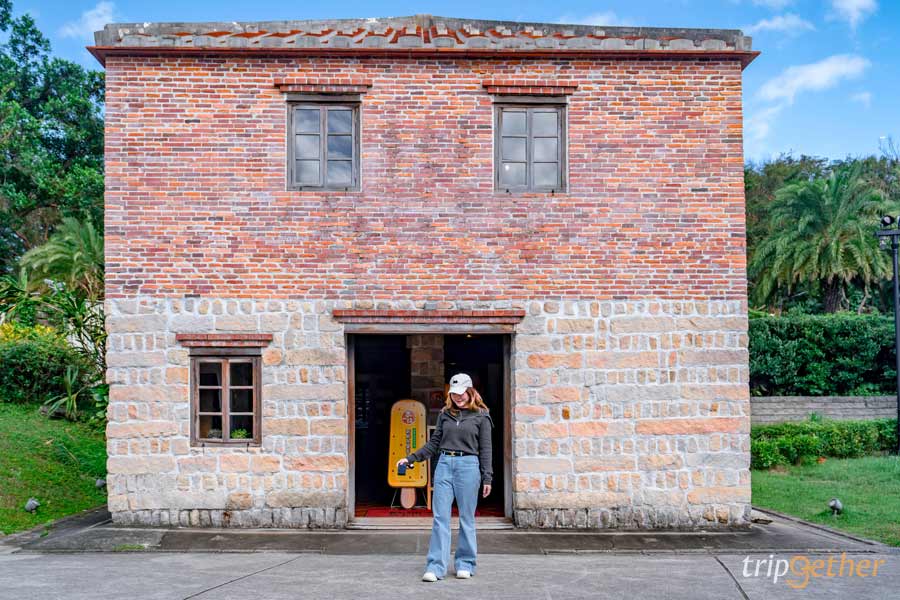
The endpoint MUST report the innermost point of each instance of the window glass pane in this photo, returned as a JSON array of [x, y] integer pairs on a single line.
[[241, 373], [339, 146], [339, 172], [210, 400], [306, 120], [546, 174], [241, 427], [545, 149], [543, 123], [307, 146], [210, 427], [308, 172], [513, 122], [339, 120], [241, 401], [210, 373], [512, 174], [512, 148]]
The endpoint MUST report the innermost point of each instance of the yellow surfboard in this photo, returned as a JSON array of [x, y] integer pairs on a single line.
[[408, 433]]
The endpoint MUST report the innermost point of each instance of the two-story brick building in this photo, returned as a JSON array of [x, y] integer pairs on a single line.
[[306, 221]]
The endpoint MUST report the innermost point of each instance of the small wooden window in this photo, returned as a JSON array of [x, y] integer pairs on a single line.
[[225, 403], [324, 146], [530, 148]]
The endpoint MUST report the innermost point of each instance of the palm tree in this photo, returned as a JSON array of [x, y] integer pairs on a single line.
[[822, 233], [73, 255]]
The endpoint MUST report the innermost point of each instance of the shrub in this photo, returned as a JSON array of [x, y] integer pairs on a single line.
[[785, 443], [765, 454], [33, 363], [806, 447], [822, 355]]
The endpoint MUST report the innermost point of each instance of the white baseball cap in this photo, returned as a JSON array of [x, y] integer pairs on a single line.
[[459, 383]]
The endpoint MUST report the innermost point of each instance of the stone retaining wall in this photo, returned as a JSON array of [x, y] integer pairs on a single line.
[[778, 409]]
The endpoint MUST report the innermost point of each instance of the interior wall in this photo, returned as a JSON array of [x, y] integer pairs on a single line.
[[427, 376]]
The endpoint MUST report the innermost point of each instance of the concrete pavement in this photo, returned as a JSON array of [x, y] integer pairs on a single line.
[[275, 576], [88, 558]]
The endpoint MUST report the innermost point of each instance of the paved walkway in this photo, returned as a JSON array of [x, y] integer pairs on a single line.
[[87, 558]]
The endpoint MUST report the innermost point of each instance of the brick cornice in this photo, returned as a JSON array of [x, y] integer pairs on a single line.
[[511, 316], [224, 340]]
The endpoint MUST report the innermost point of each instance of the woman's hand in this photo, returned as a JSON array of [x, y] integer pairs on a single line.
[[402, 461], [485, 490]]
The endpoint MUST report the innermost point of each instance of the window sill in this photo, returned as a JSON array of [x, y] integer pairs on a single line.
[[323, 189], [524, 192], [228, 444]]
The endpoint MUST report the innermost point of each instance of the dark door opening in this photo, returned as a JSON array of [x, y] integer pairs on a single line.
[[481, 356], [384, 370], [382, 377]]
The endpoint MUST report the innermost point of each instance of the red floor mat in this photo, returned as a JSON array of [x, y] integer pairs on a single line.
[[385, 511]]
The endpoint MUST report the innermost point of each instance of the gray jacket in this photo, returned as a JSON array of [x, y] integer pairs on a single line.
[[469, 432]]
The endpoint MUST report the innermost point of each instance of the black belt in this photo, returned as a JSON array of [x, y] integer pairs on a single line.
[[457, 453]]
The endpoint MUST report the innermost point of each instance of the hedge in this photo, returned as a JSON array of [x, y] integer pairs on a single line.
[[844, 354], [33, 363], [788, 443]]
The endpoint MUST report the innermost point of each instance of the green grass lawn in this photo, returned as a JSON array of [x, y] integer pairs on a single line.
[[55, 461], [868, 487]]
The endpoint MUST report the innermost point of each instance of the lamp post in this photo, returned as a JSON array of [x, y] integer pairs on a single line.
[[890, 228]]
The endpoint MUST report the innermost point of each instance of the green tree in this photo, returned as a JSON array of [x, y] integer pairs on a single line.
[[73, 256], [51, 139], [762, 181], [822, 234]]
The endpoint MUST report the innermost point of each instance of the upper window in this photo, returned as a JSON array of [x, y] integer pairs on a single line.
[[530, 148], [324, 148], [226, 405]]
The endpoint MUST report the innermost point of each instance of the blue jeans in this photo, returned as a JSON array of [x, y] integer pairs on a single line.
[[459, 477]]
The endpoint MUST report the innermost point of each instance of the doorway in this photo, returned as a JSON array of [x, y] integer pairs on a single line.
[[384, 368]]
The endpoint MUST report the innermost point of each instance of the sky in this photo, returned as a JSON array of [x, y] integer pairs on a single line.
[[826, 84]]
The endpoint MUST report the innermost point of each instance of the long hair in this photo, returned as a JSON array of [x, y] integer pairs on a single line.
[[475, 401]]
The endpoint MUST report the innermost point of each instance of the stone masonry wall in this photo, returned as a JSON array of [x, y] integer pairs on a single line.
[[625, 414]]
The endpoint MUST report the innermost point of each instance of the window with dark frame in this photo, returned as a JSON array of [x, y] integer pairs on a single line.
[[225, 402], [324, 145], [530, 147]]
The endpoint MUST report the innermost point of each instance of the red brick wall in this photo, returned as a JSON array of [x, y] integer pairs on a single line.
[[196, 200]]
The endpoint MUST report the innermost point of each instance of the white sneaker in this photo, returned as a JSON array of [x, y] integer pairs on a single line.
[[429, 576], [463, 574]]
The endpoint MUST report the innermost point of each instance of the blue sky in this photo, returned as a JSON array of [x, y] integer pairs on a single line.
[[827, 82]]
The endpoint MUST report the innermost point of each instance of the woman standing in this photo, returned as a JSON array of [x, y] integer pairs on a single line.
[[462, 437]]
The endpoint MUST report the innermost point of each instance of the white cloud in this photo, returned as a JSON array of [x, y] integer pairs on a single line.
[[90, 21], [759, 124], [777, 94], [608, 18], [776, 4], [789, 23], [813, 77], [864, 98], [853, 11]]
